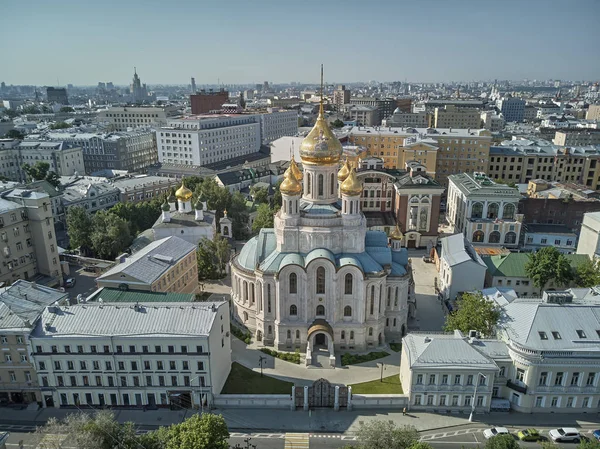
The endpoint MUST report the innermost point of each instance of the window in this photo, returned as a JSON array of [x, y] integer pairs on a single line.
[[543, 335], [83, 365], [543, 378], [444, 379], [502, 372], [590, 379], [73, 380], [538, 401], [570, 402], [174, 381], [320, 310], [581, 334], [159, 365], [470, 379], [123, 381], [119, 349], [320, 280], [559, 379], [172, 365], [575, 379], [134, 366], [347, 311], [42, 366], [348, 284], [108, 365], [443, 399], [419, 379], [370, 332], [351, 335], [467, 401], [157, 349], [106, 349], [556, 335], [455, 400], [144, 349], [554, 402], [171, 349], [57, 365], [457, 379], [293, 310], [293, 283], [432, 379], [200, 366], [320, 184], [418, 399], [520, 374]]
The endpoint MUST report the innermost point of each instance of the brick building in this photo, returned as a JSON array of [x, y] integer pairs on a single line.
[[203, 101]]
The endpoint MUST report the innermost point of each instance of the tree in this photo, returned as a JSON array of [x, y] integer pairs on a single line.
[[259, 194], [206, 431], [67, 109], [588, 274], [277, 196], [473, 312], [421, 445], [385, 435], [212, 256], [15, 134], [110, 235], [31, 109], [589, 444], [53, 178], [60, 125], [11, 113], [79, 228], [337, 124], [502, 442], [41, 170], [548, 264], [238, 213], [264, 218], [140, 216]]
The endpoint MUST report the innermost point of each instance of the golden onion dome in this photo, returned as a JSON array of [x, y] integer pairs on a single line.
[[396, 233], [295, 170], [183, 193], [320, 146], [351, 185], [344, 172], [290, 186]]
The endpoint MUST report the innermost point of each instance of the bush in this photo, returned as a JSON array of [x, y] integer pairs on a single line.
[[245, 336], [353, 359], [292, 357], [396, 347]]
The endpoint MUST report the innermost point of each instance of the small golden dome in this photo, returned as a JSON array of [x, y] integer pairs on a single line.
[[295, 170], [396, 233], [344, 172], [320, 146], [290, 186], [183, 193], [351, 185]]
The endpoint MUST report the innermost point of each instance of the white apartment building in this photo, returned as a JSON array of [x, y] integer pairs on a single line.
[[115, 354], [589, 238], [125, 118], [202, 140], [485, 212], [277, 123]]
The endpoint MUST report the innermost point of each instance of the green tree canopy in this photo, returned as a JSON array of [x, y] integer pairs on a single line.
[[79, 228], [502, 442], [60, 125], [588, 274], [212, 256], [548, 264], [15, 134], [140, 216], [67, 109], [264, 218], [589, 444], [206, 431], [31, 109], [277, 196], [259, 194], [41, 170], [337, 123], [473, 312], [385, 435], [11, 113], [238, 213], [110, 235]]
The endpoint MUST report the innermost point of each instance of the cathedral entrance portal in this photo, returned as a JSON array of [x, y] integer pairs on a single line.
[[320, 340], [319, 351]]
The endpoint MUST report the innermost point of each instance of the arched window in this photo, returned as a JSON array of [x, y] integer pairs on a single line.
[[290, 209], [308, 183], [289, 334], [320, 185], [510, 238], [347, 311], [332, 184], [372, 306], [509, 211], [379, 306], [396, 298], [320, 280], [370, 332], [348, 284], [343, 335], [494, 237], [297, 335], [372, 292], [477, 210], [270, 330], [245, 291], [478, 236], [394, 322], [293, 283], [351, 335], [293, 310], [492, 211], [320, 310], [253, 293]]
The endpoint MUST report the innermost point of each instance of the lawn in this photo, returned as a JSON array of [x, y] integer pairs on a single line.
[[353, 359], [243, 380], [390, 385]]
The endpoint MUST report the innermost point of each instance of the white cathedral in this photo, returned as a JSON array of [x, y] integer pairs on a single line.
[[319, 279]]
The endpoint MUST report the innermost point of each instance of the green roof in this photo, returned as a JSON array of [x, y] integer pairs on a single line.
[[513, 264], [117, 295]]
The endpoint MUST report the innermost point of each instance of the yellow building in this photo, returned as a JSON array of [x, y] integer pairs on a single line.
[[383, 143]]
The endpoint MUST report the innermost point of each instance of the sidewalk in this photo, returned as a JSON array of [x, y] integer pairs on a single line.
[[320, 420]]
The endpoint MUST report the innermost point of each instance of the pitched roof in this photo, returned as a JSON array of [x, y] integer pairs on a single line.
[[513, 264], [115, 295], [456, 250]]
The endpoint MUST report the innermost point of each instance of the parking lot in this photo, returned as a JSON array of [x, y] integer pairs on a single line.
[[85, 282]]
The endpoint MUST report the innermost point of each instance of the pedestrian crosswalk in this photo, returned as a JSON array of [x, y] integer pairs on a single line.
[[296, 441]]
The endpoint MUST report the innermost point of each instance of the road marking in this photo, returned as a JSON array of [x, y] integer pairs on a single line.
[[296, 441]]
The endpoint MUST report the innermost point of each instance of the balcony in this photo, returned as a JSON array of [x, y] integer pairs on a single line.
[[517, 386]]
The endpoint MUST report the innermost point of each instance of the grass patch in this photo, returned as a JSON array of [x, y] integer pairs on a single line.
[[390, 385], [243, 380], [243, 335], [396, 347], [353, 359], [293, 357]]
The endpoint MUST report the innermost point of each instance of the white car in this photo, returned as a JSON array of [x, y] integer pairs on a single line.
[[489, 433], [565, 434]]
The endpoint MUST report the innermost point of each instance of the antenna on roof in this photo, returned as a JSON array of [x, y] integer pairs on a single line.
[[321, 103]]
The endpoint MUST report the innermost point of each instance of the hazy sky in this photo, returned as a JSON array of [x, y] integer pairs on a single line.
[[248, 41]]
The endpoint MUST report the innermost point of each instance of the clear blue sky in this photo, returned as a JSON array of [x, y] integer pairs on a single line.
[[244, 41]]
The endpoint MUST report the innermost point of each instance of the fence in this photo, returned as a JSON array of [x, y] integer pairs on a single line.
[[384, 401], [253, 401]]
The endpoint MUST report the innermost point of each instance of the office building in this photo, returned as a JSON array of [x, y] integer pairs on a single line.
[[145, 354], [204, 101], [276, 123], [513, 109], [491, 121], [362, 115], [485, 212], [385, 106], [21, 305], [193, 85], [341, 96], [166, 265], [452, 117], [139, 91], [593, 112], [402, 119], [92, 194], [589, 238], [57, 95], [577, 137], [126, 118]]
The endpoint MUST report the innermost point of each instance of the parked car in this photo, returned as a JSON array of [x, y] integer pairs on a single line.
[[596, 434], [489, 433], [70, 283], [565, 434], [529, 435]]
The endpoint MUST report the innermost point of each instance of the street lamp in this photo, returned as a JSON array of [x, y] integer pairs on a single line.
[[381, 365], [479, 375], [261, 359]]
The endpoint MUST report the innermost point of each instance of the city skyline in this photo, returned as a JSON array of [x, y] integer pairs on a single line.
[[243, 43]]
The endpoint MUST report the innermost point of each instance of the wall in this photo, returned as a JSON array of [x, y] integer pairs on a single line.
[[388, 401], [271, 401]]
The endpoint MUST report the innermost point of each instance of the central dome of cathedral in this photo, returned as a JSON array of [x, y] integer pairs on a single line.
[[320, 146]]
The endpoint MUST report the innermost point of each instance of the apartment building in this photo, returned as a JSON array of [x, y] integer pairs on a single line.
[[577, 138], [91, 193], [132, 151], [593, 112], [341, 96], [21, 305], [276, 123], [485, 212], [513, 109], [385, 106], [589, 238], [362, 115], [132, 355], [134, 189], [401, 119], [27, 237], [165, 265], [430, 105], [384, 143], [451, 116], [126, 118]]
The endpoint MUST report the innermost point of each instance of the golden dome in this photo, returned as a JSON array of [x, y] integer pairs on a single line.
[[183, 193], [351, 185], [320, 146], [397, 233], [344, 172], [295, 170], [290, 186]]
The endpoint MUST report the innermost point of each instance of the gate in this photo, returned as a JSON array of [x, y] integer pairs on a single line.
[[321, 394]]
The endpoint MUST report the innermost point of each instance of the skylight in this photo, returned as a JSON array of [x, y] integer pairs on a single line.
[[543, 335], [581, 333], [556, 335]]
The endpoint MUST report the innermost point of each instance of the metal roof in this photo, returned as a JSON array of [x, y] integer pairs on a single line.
[[513, 264], [456, 250], [115, 295]]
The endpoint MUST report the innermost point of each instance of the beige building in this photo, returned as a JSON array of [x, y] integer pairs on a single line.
[[166, 265], [577, 137], [589, 238], [124, 118], [27, 237], [452, 117], [21, 305], [363, 115], [593, 112], [380, 142], [341, 96]]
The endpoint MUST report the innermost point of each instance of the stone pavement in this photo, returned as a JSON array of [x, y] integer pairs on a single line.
[[248, 355], [430, 312]]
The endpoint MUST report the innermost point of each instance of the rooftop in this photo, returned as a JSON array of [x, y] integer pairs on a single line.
[[456, 250], [479, 184], [116, 295], [513, 264], [549, 229]]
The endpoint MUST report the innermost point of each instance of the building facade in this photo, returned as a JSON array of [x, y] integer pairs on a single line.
[[541, 235], [57, 95], [589, 238], [62, 159], [341, 96], [578, 138], [203, 102], [275, 124], [593, 112], [513, 109], [126, 118], [401, 119], [452, 117]]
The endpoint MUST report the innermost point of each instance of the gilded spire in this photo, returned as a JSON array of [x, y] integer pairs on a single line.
[[290, 185], [183, 193], [396, 233], [295, 170], [351, 186], [344, 172], [321, 105]]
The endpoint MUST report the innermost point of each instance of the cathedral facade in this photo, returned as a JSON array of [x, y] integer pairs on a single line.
[[320, 278]]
